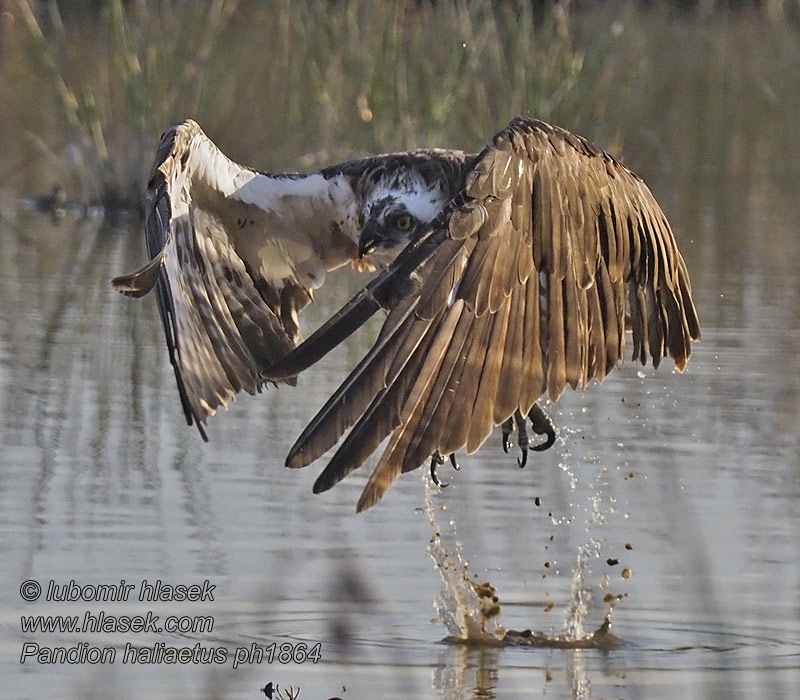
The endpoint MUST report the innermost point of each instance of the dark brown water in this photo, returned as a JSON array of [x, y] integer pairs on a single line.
[[678, 493]]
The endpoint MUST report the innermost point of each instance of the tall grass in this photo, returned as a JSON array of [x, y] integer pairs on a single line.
[[113, 77], [281, 78], [288, 84]]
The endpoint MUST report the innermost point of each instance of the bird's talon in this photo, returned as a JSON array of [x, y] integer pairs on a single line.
[[436, 460], [542, 425], [434, 475], [508, 427], [547, 444]]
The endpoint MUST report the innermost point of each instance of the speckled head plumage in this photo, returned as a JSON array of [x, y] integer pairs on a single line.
[[393, 212], [399, 193]]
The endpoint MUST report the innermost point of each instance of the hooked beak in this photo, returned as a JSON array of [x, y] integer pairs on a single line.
[[371, 235]]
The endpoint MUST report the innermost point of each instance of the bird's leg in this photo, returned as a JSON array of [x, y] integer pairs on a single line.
[[508, 428], [522, 438], [437, 458], [541, 424], [518, 421]]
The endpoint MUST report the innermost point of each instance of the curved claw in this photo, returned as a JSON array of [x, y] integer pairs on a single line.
[[440, 484], [436, 460], [542, 425], [547, 444], [522, 438]]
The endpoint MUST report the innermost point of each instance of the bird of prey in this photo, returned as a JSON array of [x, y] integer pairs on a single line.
[[506, 276]]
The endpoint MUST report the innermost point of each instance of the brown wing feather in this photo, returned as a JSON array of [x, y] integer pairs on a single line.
[[393, 460], [220, 330], [481, 420], [433, 420], [526, 294], [230, 268], [381, 417], [367, 380], [510, 384]]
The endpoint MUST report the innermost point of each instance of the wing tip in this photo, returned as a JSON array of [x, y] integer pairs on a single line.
[[369, 497], [129, 286], [294, 460], [201, 429], [138, 283]]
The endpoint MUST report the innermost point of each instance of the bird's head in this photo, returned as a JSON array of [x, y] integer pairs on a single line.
[[391, 217]]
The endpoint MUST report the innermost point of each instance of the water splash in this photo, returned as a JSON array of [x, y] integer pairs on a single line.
[[468, 610], [581, 593], [471, 611], [581, 589]]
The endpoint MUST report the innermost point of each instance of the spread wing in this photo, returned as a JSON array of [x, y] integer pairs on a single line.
[[235, 254], [520, 287]]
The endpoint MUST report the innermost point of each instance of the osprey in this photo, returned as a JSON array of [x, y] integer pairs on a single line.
[[506, 275]]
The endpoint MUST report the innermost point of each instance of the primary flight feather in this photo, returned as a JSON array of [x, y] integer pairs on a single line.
[[518, 288]]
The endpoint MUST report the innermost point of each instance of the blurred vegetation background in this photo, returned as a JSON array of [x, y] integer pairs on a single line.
[[87, 87]]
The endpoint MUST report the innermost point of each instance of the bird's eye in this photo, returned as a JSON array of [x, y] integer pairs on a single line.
[[403, 222]]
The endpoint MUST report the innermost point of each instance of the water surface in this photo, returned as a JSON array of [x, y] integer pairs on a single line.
[[697, 474]]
